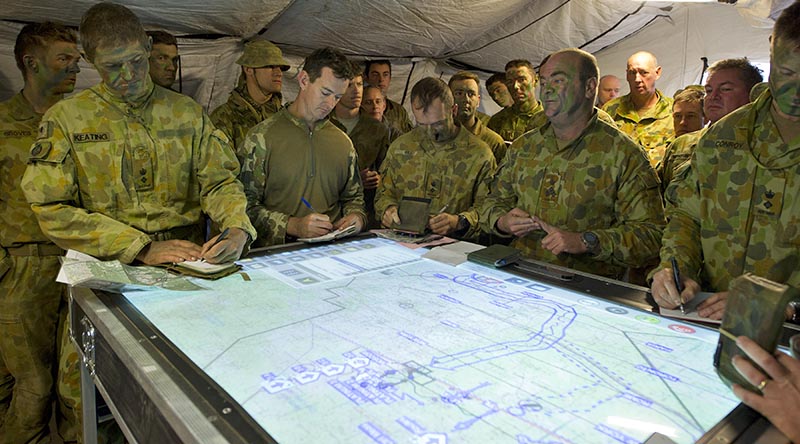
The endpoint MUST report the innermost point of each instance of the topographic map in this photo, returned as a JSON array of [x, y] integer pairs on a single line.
[[366, 342]]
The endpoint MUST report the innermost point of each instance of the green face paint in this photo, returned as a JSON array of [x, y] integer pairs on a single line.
[[784, 77]]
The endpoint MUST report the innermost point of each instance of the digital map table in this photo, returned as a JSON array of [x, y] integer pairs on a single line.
[[367, 342]]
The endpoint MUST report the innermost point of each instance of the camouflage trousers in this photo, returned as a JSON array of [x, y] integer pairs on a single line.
[[29, 305]]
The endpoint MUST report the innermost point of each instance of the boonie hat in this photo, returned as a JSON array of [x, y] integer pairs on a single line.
[[260, 53]]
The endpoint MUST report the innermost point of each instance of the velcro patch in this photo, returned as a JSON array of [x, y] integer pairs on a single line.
[[40, 150], [45, 130], [91, 137]]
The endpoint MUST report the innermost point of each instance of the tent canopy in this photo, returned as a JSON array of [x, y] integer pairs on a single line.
[[435, 37]]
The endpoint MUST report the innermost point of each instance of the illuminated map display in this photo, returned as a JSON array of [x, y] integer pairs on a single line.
[[400, 349]]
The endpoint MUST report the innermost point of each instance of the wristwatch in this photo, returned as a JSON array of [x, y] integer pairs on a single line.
[[591, 242], [795, 306], [462, 226]]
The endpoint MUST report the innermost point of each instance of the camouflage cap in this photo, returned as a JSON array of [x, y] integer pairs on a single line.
[[260, 53]]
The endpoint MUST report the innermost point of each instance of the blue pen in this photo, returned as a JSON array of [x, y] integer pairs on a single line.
[[676, 276], [305, 202]]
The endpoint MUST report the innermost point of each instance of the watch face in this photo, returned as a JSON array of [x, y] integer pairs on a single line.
[[590, 238]]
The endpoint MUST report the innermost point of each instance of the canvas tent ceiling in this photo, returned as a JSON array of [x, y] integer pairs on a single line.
[[424, 38]]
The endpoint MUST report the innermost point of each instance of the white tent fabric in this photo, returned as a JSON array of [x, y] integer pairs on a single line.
[[424, 38]]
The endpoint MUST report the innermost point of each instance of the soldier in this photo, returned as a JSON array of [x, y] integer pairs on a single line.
[[370, 139], [498, 91], [47, 55], [608, 89], [687, 110], [644, 113], [465, 87], [733, 209], [437, 160], [726, 89], [526, 112], [300, 171], [163, 58], [379, 73], [576, 191], [258, 94], [125, 170]]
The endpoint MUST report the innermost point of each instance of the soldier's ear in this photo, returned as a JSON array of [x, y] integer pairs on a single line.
[[30, 63], [302, 79], [591, 88]]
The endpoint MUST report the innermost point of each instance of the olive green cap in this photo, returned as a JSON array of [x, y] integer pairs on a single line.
[[261, 53]]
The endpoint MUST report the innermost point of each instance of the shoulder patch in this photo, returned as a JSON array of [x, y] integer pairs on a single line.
[[40, 150], [45, 129]]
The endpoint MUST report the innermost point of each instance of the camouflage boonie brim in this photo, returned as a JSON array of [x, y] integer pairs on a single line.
[[261, 53]]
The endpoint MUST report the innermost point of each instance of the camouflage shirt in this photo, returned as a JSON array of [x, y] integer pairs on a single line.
[[653, 129], [19, 124], [106, 177], [285, 162], [495, 142], [397, 117], [735, 208], [511, 123], [678, 152], [240, 113], [484, 118], [448, 174], [600, 182]]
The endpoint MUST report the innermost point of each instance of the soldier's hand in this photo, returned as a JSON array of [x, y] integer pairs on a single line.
[[665, 292], [370, 179], [517, 222], [390, 217], [443, 223], [313, 225], [779, 400], [228, 249], [163, 252], [350, 219], [714, 306], [559, 241]]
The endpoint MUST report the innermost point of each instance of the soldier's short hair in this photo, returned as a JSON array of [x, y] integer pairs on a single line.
[[690, 94], [162, 38], [587, 67], [494, 78], [357, 70], [786, 26], [748, 73], [110, 24], [328, 58], [517, 63], [368, 64], [35, 37], [369, 86], [427, 90], [464, 75]]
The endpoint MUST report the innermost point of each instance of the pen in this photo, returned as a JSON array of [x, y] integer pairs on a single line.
[[444, 208], [305, 202], [676, 274], [220, 238]]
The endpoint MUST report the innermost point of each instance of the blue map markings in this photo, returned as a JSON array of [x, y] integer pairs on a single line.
[[637, 399], [525, 439], [433, 438], [449, 323], [658, 347], [464, 425], [412, 426], [374, 356], [334, 369], [300, 368], [523, 407], [375, 434], [323, 361], [449, 299], [516, 280], [455, 396], [616, 434], [276, 385], [500, 305], [306, 377], [358, 268], [532, 295], [413, 338], [539, 287], [656, 372]]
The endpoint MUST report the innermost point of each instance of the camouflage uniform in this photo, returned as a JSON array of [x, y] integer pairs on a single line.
[[286, 162], [735, 209], [29, 295], [240, 113], [448, 174], [371, 140], [107, 177], [484, 118], [397, 117], [510, 123], [678, 152], [600, 182], [653, 130], [491, 138]]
